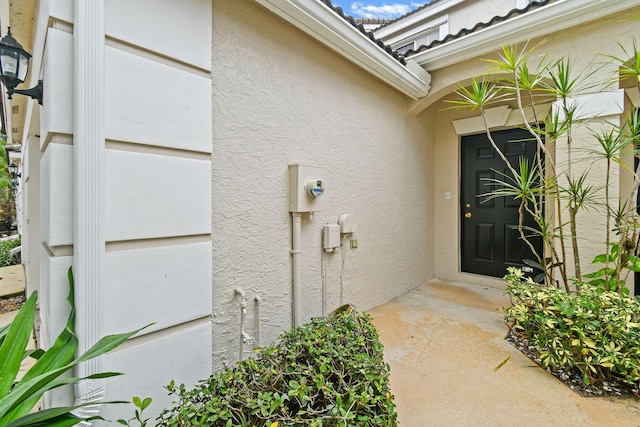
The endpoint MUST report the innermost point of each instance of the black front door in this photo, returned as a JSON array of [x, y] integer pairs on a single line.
[[491, 241]]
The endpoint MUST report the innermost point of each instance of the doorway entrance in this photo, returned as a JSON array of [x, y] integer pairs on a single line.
[[490, 240]]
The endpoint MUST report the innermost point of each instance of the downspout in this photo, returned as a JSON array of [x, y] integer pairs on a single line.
[[295, 266], [88, 192]]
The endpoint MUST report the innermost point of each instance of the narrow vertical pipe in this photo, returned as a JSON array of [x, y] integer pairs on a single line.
[[295, 267], [88, 189], [258, 301], [243, 313]]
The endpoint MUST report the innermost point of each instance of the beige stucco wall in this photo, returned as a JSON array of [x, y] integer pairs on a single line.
[[280, 98], [583, 46]]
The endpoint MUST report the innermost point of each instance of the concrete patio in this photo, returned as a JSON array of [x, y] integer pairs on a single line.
[[444, 342]]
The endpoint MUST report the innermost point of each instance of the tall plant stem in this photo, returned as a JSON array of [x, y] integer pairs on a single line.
[[535, 253], [562, 266], [608, 221], [573, 211], [494, 145]]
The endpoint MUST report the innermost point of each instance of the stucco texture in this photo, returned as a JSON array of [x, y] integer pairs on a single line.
[[585, 47], [280, 98]]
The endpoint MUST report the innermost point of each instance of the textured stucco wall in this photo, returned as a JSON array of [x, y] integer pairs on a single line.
[[600, 37], [280, 98]]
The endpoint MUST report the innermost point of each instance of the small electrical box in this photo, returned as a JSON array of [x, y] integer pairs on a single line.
[[331, 237], [306, 188], [347, 224]]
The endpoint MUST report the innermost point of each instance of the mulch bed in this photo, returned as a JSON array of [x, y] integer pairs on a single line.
[[572, 377], [11, 303]]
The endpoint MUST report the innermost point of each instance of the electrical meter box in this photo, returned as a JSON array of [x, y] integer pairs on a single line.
[[306, 188]]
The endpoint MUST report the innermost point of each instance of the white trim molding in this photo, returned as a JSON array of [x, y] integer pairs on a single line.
[[323, 24], [592, 105], [555, 16], [498, 117]]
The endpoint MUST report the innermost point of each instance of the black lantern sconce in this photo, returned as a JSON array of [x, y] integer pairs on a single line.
[[13, 174], [14, 64]]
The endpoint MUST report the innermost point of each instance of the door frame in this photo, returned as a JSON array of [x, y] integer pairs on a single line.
[[464, 267]]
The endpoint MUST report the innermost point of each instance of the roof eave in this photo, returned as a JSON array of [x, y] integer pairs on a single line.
[[323, 24], [553, 17]]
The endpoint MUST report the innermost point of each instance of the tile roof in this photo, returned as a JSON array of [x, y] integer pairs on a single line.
[[479, 26], [361, 28]]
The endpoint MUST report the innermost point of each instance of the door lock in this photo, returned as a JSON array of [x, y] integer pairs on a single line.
[[467, 215]]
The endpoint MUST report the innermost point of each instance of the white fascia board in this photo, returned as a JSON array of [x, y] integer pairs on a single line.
[[553, 17], [320, 22], [399, 27]]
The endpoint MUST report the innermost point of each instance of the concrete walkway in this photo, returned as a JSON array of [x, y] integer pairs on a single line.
[[444, 342], [11, 280]]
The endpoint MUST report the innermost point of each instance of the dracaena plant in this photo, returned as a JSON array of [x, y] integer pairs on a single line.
[[19, 397], [556, 195]]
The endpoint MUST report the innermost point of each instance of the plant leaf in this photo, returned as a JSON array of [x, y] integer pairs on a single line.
[[15, 343], [504, 362]]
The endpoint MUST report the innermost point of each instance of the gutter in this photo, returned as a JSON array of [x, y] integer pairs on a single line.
[[555, 16], [319, 21]]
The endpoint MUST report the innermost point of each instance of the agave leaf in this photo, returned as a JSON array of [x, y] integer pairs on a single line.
[[55, 417], [64, 348], [15, 343], [106, 344], [3, 332], [26, 390], [60, 354]]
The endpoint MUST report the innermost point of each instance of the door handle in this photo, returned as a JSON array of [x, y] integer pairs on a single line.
[[467, 215]]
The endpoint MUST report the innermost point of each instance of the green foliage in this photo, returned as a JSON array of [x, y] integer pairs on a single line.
[[19, 397], [5, 252], [7, 211], [547, 191], [141, 405], [330, 372], [596, 330]]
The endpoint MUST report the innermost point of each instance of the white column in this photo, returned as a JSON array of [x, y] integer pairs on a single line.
[[89, 179]]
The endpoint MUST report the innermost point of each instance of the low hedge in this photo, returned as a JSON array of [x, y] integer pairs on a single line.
[[594, 330], [330, 372], [6, 258]]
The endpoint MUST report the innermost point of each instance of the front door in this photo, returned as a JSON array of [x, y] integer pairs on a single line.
[[490, 238]]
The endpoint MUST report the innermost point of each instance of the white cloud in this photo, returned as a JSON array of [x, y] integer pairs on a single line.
[[385, 11]]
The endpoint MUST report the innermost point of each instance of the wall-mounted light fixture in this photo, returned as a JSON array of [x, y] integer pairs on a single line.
[[14, 64], [13, 174]]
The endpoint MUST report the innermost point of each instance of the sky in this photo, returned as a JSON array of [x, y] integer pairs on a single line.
[[388, 9]]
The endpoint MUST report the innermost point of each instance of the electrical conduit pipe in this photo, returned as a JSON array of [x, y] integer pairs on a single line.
[[243, 313], [295, 267], [258, 300]]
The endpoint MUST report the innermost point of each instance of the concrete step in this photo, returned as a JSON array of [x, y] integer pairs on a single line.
[[11, 280]]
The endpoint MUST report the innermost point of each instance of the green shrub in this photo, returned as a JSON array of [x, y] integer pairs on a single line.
[[595, 330], [5, 252], [330, 372]]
